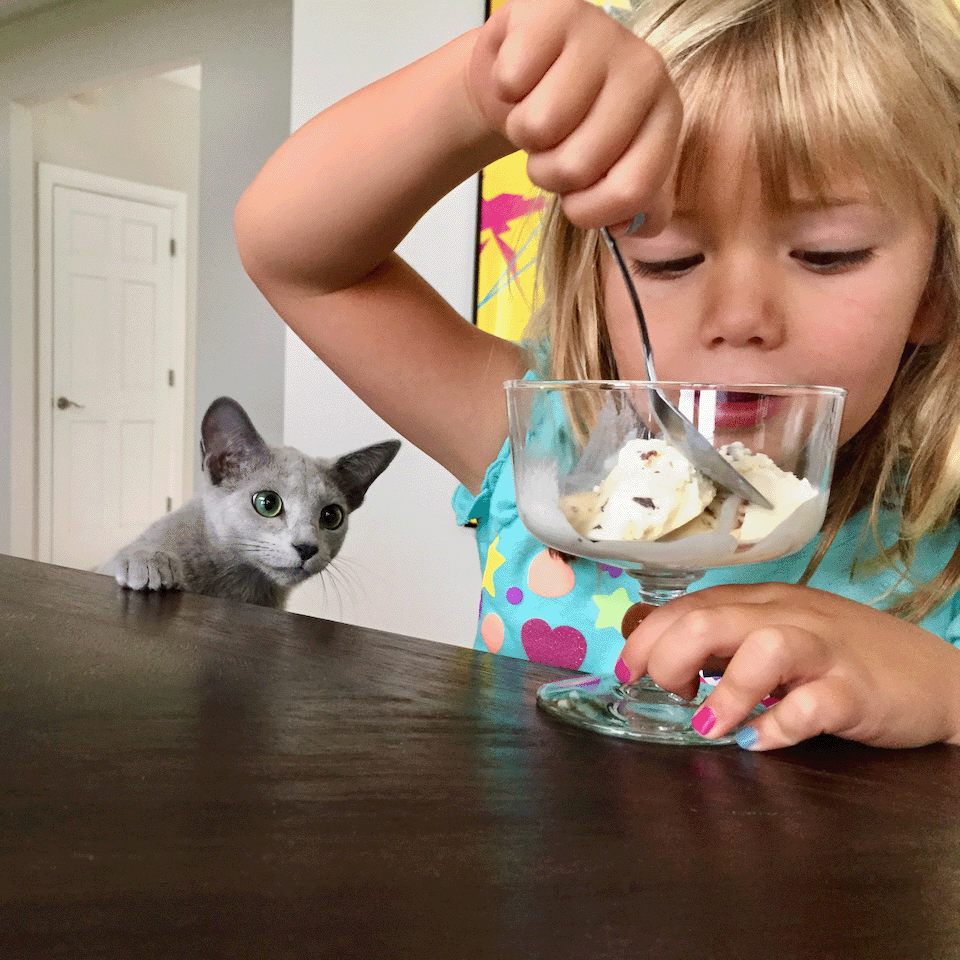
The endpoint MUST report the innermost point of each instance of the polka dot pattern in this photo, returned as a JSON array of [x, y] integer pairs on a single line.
[[492, 632], [550, 576], [537, 605]]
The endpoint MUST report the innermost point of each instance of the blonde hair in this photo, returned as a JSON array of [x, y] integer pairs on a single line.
[[876, 82]]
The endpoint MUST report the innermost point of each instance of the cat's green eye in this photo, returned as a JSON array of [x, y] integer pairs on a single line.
[[267, 503], [331, 516]]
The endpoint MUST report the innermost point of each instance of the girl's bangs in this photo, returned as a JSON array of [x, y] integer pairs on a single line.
[[816, 109]]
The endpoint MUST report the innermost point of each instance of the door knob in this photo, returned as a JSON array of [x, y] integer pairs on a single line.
[[63, 403]]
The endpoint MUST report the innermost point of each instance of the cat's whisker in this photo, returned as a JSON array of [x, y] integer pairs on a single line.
[[357, 571], [357, 566], [342, 579], [336, 606], [339, 575]]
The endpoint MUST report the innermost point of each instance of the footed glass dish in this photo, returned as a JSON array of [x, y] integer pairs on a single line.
[[594, 479]]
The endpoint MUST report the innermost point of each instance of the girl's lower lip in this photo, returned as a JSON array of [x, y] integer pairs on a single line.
[[742, 411]]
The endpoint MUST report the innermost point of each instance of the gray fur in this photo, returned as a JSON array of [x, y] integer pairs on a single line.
[[219, 545]]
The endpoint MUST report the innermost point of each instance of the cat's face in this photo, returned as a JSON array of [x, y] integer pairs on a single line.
[[281, 511], [285, 516]]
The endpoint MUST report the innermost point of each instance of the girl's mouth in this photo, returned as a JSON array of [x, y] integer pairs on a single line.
[[737, 410]]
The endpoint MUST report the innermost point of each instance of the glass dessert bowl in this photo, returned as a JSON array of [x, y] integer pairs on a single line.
[[595, 479]]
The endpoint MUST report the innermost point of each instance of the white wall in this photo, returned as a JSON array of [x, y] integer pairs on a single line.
[[244, 47], [407, 567], [142, 128]]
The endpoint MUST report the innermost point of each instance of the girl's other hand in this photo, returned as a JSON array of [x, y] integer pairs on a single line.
[[839, 666], [590, 103]]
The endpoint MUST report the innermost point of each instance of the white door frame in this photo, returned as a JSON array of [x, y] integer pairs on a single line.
[[23, 335], [49, 177]]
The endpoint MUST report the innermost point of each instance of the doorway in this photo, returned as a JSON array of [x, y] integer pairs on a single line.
[[140, 129], [112, 331]]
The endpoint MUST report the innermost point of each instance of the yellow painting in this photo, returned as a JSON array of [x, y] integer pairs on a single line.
[[507, 241]]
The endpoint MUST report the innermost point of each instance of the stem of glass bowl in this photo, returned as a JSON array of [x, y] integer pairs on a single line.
[[659, 586], [656, 588]]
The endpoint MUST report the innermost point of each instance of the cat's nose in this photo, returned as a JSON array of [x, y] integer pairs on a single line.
[[306, 550]]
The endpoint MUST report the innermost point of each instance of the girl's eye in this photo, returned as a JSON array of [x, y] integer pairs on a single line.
[[267, 503], [331, 516], [666, 269], [832, 261]]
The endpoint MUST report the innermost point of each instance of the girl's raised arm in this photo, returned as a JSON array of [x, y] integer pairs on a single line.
[[338, 197], [589, 102], [316, 232]]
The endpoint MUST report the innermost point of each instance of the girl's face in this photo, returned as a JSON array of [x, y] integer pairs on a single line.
[[734, 292]]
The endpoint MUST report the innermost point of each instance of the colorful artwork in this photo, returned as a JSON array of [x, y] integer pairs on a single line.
[[507, 240], [507, 247]]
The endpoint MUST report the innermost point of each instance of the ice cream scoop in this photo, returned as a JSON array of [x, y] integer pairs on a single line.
[[653, 492], [784, 490]]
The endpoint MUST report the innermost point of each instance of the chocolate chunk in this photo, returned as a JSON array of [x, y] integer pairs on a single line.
[[645, 502]]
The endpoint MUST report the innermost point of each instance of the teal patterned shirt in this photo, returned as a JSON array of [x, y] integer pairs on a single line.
[[541, 608]]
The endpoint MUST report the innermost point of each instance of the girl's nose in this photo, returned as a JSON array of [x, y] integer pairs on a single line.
[[743, 309]]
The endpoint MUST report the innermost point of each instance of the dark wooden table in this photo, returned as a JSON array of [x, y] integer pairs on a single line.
[[188, 778]]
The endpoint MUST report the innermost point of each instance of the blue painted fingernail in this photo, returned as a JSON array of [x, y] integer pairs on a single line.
[[747, 737], [636, 223]]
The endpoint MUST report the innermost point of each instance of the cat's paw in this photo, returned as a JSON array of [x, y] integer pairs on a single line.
[[148, 570]]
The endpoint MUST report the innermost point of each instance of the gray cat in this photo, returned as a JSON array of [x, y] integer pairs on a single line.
[[268, 519]]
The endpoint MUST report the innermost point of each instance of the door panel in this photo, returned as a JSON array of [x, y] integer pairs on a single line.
[[111, 339]]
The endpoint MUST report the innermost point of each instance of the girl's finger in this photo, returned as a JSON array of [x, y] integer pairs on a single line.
[[640, 180], [673, 651], [702, 613], [824, 705], [517, 52], [550, 113], [769, 657], [617, 114], [508, 61]]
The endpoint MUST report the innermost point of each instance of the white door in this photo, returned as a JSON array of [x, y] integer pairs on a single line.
[[115, 464]]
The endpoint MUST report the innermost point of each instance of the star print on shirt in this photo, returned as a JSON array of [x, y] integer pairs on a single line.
[[612, 607], [495, 560]]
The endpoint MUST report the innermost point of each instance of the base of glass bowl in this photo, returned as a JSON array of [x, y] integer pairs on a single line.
[[637, 711]]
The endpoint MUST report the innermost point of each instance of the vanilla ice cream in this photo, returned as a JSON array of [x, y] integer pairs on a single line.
[[652, 490], [784, 490], [654, 493]]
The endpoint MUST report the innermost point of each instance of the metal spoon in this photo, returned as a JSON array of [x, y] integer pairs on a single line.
[[681, 432]]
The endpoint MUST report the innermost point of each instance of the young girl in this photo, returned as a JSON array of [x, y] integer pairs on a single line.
[[784, 177]]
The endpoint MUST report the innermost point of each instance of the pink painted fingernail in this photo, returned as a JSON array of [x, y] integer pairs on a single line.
[[622, 671], [703, 721]]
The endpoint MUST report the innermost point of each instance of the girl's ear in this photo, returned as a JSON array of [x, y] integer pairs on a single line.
[[930, 322]]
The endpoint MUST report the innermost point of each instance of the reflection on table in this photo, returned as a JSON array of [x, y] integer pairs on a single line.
[[185, 777]]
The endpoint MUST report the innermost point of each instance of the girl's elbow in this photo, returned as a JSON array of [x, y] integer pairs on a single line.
[[251, 238]]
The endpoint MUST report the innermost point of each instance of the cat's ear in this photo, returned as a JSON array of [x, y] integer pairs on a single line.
[[229, 441], [354, 472]]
